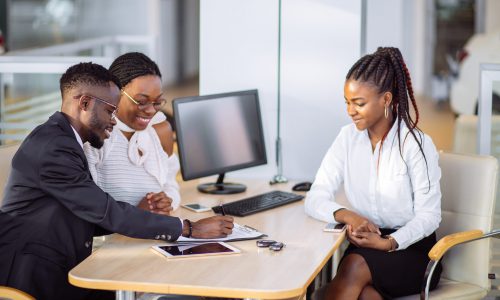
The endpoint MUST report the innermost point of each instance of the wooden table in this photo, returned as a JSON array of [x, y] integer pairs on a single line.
[[126, 264]]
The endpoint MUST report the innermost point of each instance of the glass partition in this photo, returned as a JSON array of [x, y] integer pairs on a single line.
[[29, 92], [29, 79], [480, 134], [489, 82]]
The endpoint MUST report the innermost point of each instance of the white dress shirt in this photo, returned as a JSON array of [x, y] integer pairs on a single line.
[[77, 135], [397, 191]]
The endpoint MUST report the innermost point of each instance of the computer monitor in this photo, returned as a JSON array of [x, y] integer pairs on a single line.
[[218, 134]]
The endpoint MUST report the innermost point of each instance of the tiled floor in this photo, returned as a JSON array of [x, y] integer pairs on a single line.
[[437, 120]]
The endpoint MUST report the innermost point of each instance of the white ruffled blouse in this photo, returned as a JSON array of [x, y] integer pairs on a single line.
[[127, 175]]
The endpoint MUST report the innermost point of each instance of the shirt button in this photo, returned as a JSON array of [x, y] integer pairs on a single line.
[[169, 237], [157, 237], [88, 244], [162, 236]]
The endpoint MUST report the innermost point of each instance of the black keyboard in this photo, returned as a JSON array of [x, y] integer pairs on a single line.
[[258, 203]]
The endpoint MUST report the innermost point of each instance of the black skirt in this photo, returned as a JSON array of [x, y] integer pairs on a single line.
[[399, 273]]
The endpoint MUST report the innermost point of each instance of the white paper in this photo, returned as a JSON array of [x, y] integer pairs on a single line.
[[240, 232]]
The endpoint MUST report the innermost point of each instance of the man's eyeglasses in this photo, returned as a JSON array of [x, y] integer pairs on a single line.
[[114, 107], [143, 105]]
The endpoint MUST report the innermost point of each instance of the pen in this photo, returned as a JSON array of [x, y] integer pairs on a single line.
[[251, 228], [222, 210]]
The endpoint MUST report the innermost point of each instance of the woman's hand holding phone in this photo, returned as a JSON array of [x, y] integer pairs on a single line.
[[365, 239]]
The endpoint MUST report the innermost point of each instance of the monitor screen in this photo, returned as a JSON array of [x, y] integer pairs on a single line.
[[219, 133]]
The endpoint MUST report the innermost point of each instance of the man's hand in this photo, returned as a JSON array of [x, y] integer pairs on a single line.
[[365, 239], [213, 227], [158, 203]]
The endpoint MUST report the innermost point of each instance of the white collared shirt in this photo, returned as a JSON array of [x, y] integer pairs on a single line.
[[78, 138], [399, 194]]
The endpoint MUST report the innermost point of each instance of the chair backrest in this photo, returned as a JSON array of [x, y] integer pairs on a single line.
[[6, 155], [468, 187]]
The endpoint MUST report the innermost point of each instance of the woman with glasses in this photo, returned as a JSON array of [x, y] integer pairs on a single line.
[[137, 164]]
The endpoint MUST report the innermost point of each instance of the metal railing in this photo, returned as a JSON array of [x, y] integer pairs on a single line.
[[19, 115], [108, 46]]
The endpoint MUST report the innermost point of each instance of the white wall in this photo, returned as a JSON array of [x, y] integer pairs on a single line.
[[384, 25], [238, 52], [320, 41], [422, 47], [401, 24], [167, 39], [192, 36], [491, 19]]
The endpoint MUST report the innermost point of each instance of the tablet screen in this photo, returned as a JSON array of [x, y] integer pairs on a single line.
[[198, 249]]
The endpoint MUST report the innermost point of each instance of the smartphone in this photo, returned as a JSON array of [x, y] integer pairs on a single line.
[[196, 207], [333, 227], [194, 250]]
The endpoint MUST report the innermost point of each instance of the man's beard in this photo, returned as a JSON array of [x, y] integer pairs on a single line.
[[95, 139]]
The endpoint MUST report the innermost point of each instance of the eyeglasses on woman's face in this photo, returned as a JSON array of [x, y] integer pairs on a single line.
[[142, 105]]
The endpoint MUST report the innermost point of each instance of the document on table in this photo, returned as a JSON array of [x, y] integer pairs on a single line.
[[240, 233]]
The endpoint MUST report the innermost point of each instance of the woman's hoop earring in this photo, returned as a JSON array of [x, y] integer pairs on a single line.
[[386, 112]]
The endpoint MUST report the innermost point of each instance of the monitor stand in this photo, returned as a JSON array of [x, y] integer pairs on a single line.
[[221, 187]]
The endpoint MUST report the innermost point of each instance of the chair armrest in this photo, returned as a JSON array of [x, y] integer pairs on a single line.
[[443, 245], [15, 294], [446, 242]]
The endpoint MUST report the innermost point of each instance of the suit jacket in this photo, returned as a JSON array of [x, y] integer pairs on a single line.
[[51, 210]]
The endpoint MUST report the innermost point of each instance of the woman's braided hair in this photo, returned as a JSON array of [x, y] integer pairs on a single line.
[[387, 71], [131, 65]]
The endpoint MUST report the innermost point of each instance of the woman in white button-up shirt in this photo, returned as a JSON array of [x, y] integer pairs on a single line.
[[389, 170]]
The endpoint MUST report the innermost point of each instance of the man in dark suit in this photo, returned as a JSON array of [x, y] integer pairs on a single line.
[[52, 208]]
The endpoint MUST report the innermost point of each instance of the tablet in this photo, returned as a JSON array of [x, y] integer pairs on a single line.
[[196, 250]]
